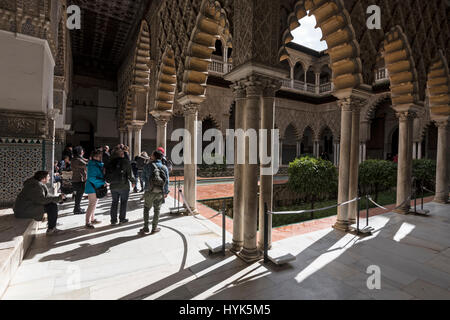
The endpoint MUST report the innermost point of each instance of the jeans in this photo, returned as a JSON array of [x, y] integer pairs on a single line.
[[154, 200], [52, 213], [78, 191], [123, 196]]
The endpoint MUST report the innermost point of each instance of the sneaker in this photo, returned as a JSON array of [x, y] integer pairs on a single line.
[[89, 226], [144, 231], [113, 223], [82, 211], [52, 232], [124, 221], [95, 221], [156, 230]]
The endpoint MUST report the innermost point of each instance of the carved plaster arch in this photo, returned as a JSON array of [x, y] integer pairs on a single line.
[[438, 86], [167, 82], [367, 113], [211, 24], [343, 48], [402, 70]]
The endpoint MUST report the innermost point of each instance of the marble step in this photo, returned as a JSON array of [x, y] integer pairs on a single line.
[[16, 236]]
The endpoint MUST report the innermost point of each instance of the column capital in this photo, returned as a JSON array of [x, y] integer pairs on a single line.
[[238, 90], [191, 108], [405, 115], [442, 123], [351, 103]]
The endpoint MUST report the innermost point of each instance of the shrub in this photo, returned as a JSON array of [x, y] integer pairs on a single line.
[[314, 178], [376, 176], [424, 171]]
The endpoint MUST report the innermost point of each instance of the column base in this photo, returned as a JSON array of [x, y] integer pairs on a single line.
[[403, 210], [441, 200], [342, 226], [236, 246], [188, 213], [250, 256]]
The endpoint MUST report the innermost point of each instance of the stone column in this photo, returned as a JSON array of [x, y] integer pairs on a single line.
[[292, 76], [190, 155], [250, 250], [316, 148], [317, 82], [281, 153], [238, 200], [266, 180], [419, 150], [299, 149], [442, 162], [414, 151], [161, 131], [137, 140], [342, 222], [404, 161], [354, 165], [130, 140], [121, 136]]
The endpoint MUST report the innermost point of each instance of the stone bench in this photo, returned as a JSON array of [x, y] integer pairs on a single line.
[[16, 236]]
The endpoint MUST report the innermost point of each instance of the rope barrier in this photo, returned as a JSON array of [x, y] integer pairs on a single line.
[[192, 213], [314, 210]]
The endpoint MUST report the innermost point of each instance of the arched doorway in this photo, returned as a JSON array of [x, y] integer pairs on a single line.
[[307, 146], [383, 142], [84, 135], [326, 144], [289, 144]]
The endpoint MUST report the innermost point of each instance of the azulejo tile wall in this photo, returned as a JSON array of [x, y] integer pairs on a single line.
[[20, 158]]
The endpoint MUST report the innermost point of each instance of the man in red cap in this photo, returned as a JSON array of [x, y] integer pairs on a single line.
[[164, 161]]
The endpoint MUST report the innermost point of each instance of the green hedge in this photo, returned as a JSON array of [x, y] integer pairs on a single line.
[[376, 176], [313, 179], [424, 172]]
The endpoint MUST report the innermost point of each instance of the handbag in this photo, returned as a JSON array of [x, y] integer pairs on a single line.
[[100, 192]]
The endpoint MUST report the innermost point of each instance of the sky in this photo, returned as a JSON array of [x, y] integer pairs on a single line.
[[308, 36]]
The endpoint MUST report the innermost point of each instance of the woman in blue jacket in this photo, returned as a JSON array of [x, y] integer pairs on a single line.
[[95, 177]]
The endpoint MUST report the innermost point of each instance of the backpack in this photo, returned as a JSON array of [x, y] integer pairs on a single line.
[[115, 173], [158, 179]]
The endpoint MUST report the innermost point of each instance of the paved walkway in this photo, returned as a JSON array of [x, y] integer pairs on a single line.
[[115, 263]]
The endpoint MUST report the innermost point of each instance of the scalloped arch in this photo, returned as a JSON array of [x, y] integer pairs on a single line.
[[343, 48], [402, 70], [438, 86], [212, 24], [167, 82]]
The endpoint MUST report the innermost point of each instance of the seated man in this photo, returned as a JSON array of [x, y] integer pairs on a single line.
[[34, 200]]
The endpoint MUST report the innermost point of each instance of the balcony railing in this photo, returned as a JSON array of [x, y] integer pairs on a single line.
[[220, 68], [382, 74]]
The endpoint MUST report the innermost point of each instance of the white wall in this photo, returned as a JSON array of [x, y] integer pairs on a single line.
[[26, 73]]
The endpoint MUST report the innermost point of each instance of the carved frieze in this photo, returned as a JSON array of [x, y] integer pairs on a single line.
[[23, 124]]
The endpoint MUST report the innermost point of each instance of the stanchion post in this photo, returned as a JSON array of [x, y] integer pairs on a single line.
[[175, 193], [421, 205], [266, 234], [367, 209], [415, 196], [223, 226]]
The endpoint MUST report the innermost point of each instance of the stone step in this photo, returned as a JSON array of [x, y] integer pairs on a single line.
[[16, 236]]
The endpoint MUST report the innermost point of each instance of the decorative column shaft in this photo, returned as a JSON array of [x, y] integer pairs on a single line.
[[238, 200], [137, 140], [404, 174], [342, 222], [250, 250], [442, 163], [354, 165], [130, 140], [266, 181], [161, 131], [190, 152]]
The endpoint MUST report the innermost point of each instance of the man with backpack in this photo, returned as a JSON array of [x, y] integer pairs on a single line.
[[156, 177], [119, 176]]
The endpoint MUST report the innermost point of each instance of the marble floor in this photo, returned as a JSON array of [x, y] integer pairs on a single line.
[[411, 254]]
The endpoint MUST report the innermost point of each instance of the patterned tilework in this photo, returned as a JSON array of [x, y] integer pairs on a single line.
[[19, 159]]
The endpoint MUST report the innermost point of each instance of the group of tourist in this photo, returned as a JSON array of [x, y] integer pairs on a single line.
[[92, 177]]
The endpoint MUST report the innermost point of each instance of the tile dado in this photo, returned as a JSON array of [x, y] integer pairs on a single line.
[[20, 158]]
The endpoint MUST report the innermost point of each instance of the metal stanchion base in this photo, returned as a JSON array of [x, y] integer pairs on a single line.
[[280, 256], [420, 212], [215, 246], [177, 210], [364, 232]]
